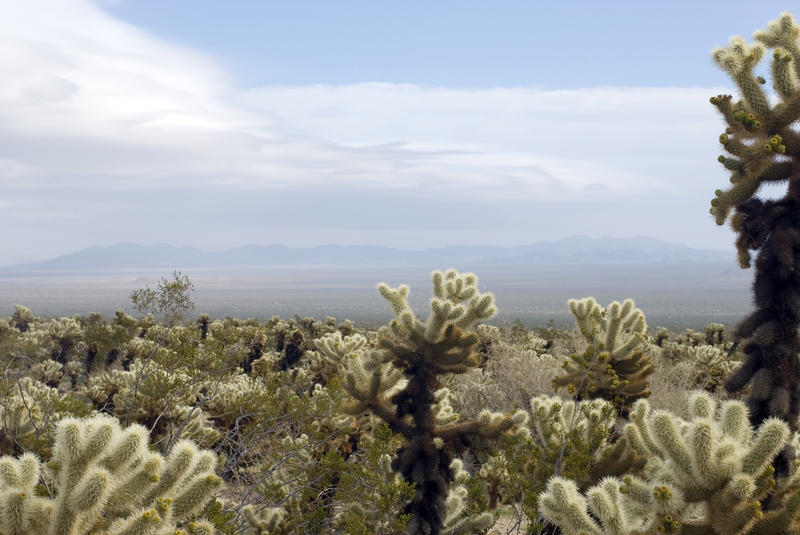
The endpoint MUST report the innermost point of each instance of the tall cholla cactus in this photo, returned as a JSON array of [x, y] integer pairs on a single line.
[[705, 475], [105, 480], [614, 366], [422, 351], [763, 148]]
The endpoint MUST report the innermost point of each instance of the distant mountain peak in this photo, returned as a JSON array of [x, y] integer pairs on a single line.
[[571, 250]]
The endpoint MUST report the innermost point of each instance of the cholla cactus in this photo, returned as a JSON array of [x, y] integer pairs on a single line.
[[332, 352], [691, 338], [615, 365], [266, 520], [558, 427], [554, 421], [662, 335], [105, 478], [422, 351], [714, 334], [48, 371], [65, 334], [763, 147], [707, 474], [22, 318], [28, 412], [370, 379], [488, 336], [709, 365]]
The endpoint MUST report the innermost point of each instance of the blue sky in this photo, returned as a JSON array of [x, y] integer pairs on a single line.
[[408, 124], [456, 43]]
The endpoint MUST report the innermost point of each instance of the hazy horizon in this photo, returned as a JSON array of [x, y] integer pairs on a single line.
[[691, 296]]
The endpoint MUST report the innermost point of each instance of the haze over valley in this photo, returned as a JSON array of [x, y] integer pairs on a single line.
[[676, 286]]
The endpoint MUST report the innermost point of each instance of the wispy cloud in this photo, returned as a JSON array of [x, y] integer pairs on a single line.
[[91, 104]]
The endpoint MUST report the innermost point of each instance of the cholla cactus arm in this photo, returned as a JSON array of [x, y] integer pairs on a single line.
[[588, 315], [370, 379], [456, 522], [488, 425], [21, 511], [266, 520], [782, 33], [564, 506], [625, 329], [615, 459], [739, 59]]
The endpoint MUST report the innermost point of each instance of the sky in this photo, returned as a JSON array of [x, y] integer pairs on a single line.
[[408, 124]]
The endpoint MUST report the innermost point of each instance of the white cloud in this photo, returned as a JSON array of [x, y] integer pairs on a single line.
[[91, 103], [633, 141]]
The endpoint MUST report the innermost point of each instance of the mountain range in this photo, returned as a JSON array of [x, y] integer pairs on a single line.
[[578, 250]]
